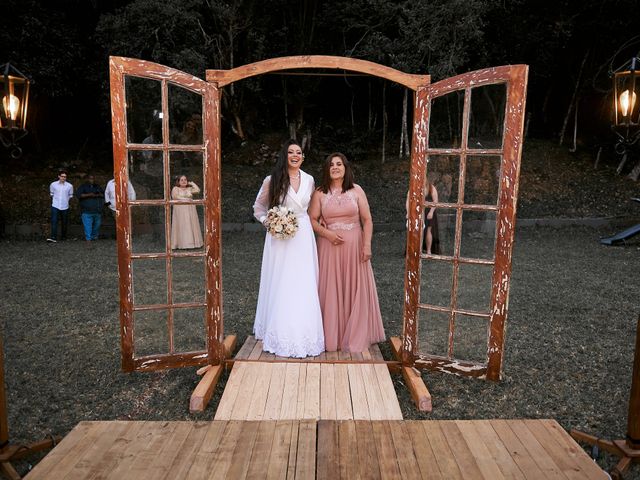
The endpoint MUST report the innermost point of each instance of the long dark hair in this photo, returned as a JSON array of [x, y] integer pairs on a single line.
[[279, 185], [347, 181]]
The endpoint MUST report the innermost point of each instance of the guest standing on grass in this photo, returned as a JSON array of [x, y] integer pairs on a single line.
[[347, 288], [288, 317], [110, 195], [185, 225], [61, 192], [91, 197]]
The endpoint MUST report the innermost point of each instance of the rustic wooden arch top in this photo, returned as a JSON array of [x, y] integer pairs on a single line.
[[225, 77]]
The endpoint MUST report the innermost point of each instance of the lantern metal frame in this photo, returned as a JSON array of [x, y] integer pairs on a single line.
[[13, 121]]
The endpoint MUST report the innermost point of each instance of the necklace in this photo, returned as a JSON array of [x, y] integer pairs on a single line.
[[294, 177]]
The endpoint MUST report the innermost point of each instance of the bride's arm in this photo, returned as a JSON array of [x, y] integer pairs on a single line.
[[261, 205]]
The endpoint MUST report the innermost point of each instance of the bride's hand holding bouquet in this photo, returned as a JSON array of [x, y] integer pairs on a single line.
[[281, 222]]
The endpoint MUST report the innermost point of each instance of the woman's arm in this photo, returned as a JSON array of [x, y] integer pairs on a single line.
[[315, 212], [194, 188], [434, 198], [367, 222], [261, 205]]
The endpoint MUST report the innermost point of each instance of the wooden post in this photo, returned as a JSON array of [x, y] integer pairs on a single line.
[[633, 420]]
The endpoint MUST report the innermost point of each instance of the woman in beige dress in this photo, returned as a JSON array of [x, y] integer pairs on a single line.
[[185, 226]]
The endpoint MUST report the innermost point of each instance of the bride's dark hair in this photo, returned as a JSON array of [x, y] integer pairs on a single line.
[[279, 185]]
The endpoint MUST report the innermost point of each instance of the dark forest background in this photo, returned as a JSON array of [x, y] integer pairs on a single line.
[[63, 45]]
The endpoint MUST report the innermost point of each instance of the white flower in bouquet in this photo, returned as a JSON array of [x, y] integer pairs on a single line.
[[282, 222]]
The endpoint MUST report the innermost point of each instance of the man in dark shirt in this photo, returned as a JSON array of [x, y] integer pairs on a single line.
[[91, 198]]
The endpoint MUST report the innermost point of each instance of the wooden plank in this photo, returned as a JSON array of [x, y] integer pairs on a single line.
[[259, 464], [376, 354], [312, 392], [537, 452], [366, 355], [331, 356], [358, 394], [306, 458], [328, 463], [188, 451], [386, 450], [419, 392], [164, 457], [68, 443], [483, 457], [213, 438], [344, 410], [204, 390], [231, 391], [327, 392], [240, 408], [229, 345], [302, 386], [517, 450], [567, 465], [267, 356], [497, 449], [289, 403], [142, 452], [348, 451], [464, 458], [389, 395], [279, 458], [246, 349], [571, 449], [257, 351], [367, 453], [241, 456], [374, 396], [221, 458], [405, 457], [260, 391], [357, 356], [344, 355], [276, 389], [293, 450], [442, 452], [429, 469], [94, 457], [73, 453]]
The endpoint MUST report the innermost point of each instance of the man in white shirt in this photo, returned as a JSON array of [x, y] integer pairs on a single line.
[[61, 192], [110, 195]]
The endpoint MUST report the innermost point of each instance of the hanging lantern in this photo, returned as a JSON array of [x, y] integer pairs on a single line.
[[626, 89], [13, 108]]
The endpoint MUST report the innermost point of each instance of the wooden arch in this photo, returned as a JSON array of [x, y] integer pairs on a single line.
[[408, 349], [225, 77]]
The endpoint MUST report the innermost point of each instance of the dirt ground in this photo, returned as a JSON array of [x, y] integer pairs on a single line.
[[569, 342]]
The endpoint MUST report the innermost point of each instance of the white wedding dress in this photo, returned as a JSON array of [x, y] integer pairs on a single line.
[[288, 315]]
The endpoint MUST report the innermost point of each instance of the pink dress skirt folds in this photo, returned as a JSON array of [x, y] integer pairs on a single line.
[[347, 288]]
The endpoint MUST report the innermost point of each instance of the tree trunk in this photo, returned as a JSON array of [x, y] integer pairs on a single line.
[[370, 121], [573, 98], [404, 137], [575, 127], [286, 101]]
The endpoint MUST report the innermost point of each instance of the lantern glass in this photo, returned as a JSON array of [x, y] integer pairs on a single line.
[[627, 96], [13, 109]]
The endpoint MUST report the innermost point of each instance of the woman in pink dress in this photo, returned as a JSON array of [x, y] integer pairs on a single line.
[[346, 287]]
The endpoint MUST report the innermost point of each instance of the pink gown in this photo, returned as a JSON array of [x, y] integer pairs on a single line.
[[347, 288]]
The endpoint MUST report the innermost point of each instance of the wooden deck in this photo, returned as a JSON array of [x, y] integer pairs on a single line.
[[330, 386], [466, 449], [252, 350], [294, 391]]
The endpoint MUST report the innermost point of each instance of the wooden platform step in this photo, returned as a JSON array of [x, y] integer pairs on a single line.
[[252, 350], [465, 449], [290, 391]]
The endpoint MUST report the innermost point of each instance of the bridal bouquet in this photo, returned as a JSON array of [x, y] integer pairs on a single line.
[[282, 222]]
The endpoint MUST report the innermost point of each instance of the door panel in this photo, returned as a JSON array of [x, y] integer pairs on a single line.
[[472, 124], [170, 298]]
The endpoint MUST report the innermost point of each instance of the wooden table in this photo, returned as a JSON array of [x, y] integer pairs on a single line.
[[453, 449]]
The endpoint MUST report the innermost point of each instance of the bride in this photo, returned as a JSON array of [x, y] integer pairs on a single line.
[[288, 317]]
